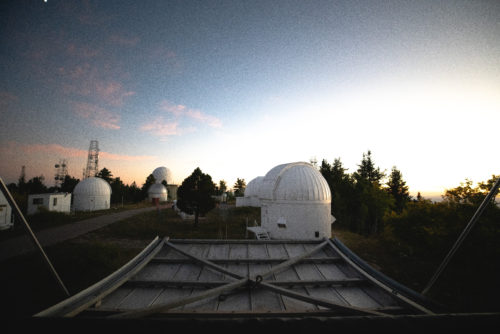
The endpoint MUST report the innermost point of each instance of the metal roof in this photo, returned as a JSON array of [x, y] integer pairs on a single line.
[[243, 278]]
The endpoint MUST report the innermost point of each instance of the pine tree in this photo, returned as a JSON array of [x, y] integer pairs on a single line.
[[397, 187], [194, 195]]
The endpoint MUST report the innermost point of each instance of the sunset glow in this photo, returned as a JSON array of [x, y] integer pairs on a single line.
[[236, 88]]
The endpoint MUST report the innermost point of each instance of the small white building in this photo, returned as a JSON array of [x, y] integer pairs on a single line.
[[295, 202], [6, 217], [91, 194], [58, 202], [157, 190]]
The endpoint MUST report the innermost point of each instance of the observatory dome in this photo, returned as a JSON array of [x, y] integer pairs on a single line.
[[162, 174], [253, 187], [298, 181], [295, 202], [158, 190], [252, 193], [92, 193], [92, 186]]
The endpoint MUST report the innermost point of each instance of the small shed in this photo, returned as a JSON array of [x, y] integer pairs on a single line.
[[6, 217], [57, 202]]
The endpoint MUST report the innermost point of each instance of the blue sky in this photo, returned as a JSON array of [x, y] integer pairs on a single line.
[[237, 87]]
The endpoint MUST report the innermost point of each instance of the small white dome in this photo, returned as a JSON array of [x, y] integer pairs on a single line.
[[298, 181], [92, 186], [162, 174], [157, 189], [253, 187]]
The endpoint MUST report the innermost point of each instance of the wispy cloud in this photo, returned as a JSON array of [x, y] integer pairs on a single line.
[[100, 117], [164, 128], [179, 110], [112, 92], [6, 99], [124, 40]]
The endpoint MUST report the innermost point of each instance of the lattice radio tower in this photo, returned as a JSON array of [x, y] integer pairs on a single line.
[[61, 172], [93, 160]]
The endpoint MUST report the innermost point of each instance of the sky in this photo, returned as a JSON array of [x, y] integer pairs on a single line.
[[238, 87]]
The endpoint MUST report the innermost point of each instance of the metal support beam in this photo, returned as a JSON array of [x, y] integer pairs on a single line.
[[34, 239], [462, 236]]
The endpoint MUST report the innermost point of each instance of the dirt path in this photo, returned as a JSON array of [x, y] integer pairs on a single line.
[[23, 244]]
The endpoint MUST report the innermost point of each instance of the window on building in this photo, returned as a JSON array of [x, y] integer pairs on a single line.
[[54, 202], [38, 201]]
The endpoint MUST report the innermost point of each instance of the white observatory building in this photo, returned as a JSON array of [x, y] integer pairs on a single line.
[[91, 194], [157, 190], [295, 202]]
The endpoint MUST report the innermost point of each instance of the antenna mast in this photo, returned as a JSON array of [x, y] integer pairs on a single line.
[[61, 172], [93, 160]]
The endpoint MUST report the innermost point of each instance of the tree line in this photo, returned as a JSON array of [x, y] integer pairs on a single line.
[[121, 193], [368, 200]]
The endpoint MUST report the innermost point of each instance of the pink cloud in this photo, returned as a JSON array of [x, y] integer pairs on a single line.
[[81, 51], [162, 128], [112, 92], [209, 119], [7, 98], [123, 40], [98, 116], [71, 152], [180, 110], [68, 152]]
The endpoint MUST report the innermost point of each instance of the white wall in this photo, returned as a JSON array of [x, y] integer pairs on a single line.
[[306, 220], [91, 203], [5, 213]]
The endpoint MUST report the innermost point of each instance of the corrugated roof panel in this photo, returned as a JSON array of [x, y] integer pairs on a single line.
[[247, 276]]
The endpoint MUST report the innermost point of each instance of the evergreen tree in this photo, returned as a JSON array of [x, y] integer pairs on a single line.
[[372, 202], [240, 186], [145, 187], [36, 185], [69, 183], [367, 171], [105, 174], [397, 187], [194, 195]]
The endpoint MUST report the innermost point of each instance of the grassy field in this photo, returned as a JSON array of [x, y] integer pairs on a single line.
[[27, 287], [46, 219]]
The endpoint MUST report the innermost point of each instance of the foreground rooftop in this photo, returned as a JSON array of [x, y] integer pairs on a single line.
[[227, 279]]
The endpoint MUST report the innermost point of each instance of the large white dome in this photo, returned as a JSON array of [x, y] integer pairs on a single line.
[[297, 181], [93, 186], [92, 193], [162, 174], [296, 202]]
